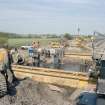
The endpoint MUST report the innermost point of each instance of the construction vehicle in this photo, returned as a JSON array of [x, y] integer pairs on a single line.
[[101, 77], [98, 73], [78, 41], [86, 98], [95, 97], [81, 43], [55, 44], [6, 76]]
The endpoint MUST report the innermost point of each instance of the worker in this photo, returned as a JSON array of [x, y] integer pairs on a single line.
[[36, 58], [20, 59], [30, 51], [38, 44], [49, 45], [34, 53], [48, 53], [34, 44], [62, 50], [56, 61], [90, 71], [39, 49]]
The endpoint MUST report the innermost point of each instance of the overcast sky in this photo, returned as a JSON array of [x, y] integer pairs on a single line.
[[52, 16]]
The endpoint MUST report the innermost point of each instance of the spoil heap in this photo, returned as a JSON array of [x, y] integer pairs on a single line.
[[28, 92]]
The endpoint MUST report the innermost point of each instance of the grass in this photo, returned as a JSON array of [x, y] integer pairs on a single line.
[[17, 42], [3, 40]]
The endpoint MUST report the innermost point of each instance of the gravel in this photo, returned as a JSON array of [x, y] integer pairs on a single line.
[[28, 92]]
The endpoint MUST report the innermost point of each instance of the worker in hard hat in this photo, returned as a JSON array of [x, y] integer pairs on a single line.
[[34, 54]]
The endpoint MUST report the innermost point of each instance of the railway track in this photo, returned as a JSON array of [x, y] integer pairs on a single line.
[[52, 76]]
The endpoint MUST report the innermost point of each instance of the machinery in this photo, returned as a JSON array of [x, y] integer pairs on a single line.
[[95, 97], [86, 98], [63, 43], [98, 73], [100, 67], [101, 77], [78, 42], [6, 76], [55, 44]]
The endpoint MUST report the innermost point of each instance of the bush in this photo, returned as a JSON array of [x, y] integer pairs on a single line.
[[68, 36]]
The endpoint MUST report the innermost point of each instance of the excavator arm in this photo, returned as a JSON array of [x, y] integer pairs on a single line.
[[6, 76]]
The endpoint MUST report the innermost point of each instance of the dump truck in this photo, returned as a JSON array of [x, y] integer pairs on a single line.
[[6, 76]]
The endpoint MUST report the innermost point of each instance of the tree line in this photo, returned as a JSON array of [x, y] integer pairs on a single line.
[[14, 35]]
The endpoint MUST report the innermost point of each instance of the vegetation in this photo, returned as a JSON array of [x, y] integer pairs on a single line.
[[3, 38], [17, 42], [68, 36]]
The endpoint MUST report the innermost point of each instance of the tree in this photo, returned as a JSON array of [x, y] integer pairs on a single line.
[[68, 36]]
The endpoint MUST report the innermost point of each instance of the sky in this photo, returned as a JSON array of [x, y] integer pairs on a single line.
[[52, 16]]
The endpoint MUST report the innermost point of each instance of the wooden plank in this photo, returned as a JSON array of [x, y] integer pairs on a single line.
[[50, 70], [75, 80], [79, 54]]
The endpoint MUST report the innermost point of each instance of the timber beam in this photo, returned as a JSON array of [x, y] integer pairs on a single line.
[[52, 76]]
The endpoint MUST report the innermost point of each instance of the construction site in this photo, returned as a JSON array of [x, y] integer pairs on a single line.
[[61, 73]]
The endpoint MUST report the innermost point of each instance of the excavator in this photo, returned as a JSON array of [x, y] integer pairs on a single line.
[[97, 73], [6, 75]]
